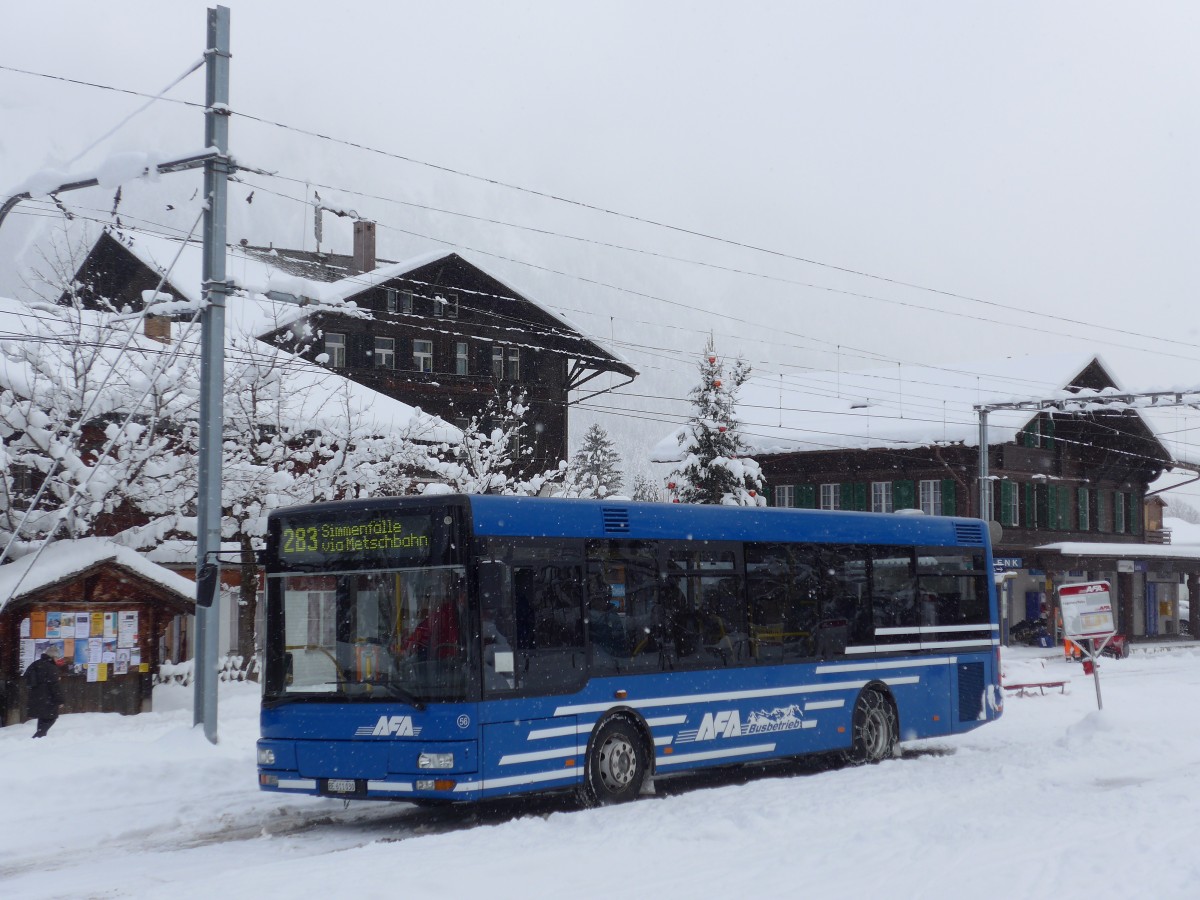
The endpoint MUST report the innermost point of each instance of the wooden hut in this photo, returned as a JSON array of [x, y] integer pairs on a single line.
[[108, 608]]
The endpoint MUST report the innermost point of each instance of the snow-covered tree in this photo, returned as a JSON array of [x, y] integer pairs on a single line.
[[488, 461], [715, 467], [595, 470], [646, 489], [74, 383]]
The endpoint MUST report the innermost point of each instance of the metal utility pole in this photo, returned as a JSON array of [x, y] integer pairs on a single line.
[[212, 371], [985, 486]]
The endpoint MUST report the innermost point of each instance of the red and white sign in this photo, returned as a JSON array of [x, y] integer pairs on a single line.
[[1087, 610]]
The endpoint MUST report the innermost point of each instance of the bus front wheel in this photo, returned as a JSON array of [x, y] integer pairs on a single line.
[[616, 764], [875, 729]]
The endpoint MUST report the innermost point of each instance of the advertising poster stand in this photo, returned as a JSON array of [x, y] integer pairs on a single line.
[[1087, 615]]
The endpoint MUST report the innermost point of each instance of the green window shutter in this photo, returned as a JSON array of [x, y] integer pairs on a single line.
[[1052, 507], [1030, 507], [1119, 512], [903, 495], [1082, 503], [1006, 494], [806, 496], [949, 507], [1041, 496], [1048, 432], [846, 490], [861, 502]]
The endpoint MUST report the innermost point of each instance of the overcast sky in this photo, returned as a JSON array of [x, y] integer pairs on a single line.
[[1033, 157]]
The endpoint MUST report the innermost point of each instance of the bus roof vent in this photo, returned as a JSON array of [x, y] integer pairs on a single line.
[[616, 519], [971, 533]]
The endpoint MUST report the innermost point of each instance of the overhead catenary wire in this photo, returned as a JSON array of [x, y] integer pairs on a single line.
[[525, 324], [634, 218]]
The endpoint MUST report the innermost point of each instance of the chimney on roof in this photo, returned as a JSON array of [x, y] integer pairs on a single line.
[[157, 328], [364, 247]]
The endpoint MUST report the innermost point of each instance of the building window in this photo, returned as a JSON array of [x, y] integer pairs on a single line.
[[462, 358], [785, 495], [931, 497], [1085, 519], [335, 349], [22, 479], [1010, 504], [393, 299], [881, 496], [446, 306], [831, 496], [506, 363], [1119, 512], [406, 302], [423, 355], [385, 353]]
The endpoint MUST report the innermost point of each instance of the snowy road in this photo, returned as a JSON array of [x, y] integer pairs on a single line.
[[143, 807]]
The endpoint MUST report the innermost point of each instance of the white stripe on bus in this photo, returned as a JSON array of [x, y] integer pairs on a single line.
[[717, 697], [513, 759], [887, 664], [824, 704], [932, 629], [714, 754], [925, 645], [390, 787], [575, 774]]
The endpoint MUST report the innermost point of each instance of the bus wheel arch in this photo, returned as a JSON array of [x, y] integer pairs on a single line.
[[620, 757], [874, 725]]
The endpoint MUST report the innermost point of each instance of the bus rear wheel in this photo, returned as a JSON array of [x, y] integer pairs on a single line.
[[616, 764], [875, 729]]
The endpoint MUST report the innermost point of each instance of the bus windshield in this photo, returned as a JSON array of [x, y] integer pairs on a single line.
[[382, 634]]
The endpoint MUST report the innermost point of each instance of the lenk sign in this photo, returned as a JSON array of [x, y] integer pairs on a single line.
[[1087, 610]]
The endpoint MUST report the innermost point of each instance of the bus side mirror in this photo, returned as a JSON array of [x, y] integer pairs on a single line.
[[206, 584]]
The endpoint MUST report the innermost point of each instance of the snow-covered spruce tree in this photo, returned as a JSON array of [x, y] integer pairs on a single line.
[[595, 470], [489, 459], [714, 467]]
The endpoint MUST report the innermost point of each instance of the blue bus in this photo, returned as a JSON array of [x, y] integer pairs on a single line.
[[455, 648]]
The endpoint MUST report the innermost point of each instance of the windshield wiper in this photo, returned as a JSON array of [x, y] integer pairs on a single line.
[[392, 687]]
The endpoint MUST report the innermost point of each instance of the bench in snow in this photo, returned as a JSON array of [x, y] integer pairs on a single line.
[[1022, 688]]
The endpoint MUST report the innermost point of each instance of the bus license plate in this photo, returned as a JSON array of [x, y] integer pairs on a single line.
[[341, 786]]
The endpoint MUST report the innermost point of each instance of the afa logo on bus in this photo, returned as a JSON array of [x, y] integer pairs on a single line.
[[727, 723], [390, 726]]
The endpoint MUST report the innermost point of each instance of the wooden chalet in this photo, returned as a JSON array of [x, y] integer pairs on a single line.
[[440, 333], [1066, 489]]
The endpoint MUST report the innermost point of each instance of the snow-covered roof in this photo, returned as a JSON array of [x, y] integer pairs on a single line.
[[1129, 551], [255, 272], [893, 407], [63, 560], [316, 396]]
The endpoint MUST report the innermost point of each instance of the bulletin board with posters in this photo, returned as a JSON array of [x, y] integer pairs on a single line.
[[94, 645]]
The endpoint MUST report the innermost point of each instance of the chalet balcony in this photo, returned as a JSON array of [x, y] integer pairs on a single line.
[[1158, 535]]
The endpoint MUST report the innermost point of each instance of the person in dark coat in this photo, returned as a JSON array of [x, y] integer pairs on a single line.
[[44, 692]]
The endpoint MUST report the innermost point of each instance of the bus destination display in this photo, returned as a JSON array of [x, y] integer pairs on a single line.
[[392, 538]]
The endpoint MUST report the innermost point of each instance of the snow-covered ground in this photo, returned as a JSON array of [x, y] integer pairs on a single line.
[[1054, 800]]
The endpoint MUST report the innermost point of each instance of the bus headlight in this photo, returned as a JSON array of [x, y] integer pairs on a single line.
[[435, 761], [266, 756]]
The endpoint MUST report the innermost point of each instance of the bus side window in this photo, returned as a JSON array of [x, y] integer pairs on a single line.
[[625, 619], [535, 629]]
